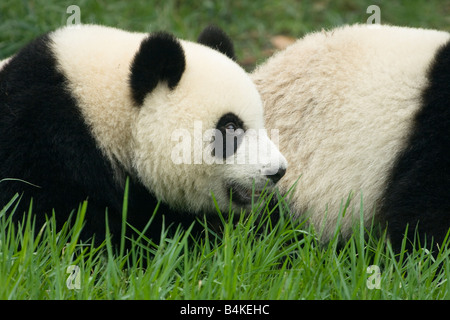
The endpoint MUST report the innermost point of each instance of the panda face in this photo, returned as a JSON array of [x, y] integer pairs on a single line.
[[205, 136], [154, 103], [248, 150]]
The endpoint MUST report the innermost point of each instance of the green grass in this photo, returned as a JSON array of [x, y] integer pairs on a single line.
[[244, 262], [248, 260]]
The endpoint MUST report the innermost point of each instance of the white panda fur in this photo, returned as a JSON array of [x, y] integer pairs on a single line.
[[345, 102], [136, 140], [3, 62]]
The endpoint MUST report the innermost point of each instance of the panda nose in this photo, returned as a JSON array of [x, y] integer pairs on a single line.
[[277, 176]]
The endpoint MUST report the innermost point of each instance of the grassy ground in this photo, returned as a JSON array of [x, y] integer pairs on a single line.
[[281, 263], [247, 261]]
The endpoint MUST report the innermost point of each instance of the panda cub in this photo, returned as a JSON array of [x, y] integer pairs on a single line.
[[84, 108], [364, 110]]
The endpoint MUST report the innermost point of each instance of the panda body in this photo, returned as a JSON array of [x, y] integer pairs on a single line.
[[85, 107], [364, 111]]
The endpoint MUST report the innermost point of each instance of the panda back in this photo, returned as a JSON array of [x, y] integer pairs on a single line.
[[44, 139], [345, 102]]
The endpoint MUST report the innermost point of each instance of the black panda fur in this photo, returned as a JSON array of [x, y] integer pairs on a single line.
[[167, 63], [214, 37], [417, 196]]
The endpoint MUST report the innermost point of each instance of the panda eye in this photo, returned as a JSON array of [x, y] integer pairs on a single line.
[[230, 129], [230, 126]]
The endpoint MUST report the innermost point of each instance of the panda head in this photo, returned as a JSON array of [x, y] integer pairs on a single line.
[[199, 129]]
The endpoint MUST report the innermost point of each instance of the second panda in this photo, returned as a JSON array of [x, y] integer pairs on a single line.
[[84, 108], [365, 111]]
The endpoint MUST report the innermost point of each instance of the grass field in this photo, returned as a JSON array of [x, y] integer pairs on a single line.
[[247, 261]]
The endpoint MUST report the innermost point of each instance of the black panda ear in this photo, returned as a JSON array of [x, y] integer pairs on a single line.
[[214, 37], [159, 58]]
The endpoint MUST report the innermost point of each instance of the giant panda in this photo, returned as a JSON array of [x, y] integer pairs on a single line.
[[363, 113], [86, 108]]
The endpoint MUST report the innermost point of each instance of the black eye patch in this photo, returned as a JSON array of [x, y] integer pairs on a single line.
[[231, 129]]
